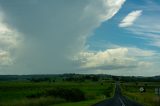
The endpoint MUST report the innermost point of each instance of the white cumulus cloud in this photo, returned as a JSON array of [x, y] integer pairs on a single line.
[[130, 18], [114, 58]]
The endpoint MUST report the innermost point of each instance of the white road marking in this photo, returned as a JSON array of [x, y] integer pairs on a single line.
[[121, 102]]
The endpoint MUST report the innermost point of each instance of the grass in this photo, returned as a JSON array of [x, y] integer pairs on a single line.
[[82, 103], [42, 101], [16, 93], [148, 98]]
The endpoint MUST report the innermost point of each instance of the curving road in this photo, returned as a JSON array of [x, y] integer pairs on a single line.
[[118, 100]]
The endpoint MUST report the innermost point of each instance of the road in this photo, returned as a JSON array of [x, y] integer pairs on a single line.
[[118, 99]]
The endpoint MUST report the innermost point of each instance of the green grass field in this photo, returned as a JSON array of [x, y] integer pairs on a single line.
[[147, 98], [17, 93]]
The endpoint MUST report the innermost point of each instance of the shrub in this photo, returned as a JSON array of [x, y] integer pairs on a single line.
[[72, 94], [108, 91], [68, 94], [36, 94]]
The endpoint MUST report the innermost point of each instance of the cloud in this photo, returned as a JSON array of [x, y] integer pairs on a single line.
[[137, 52], [112, 59], [9, 42], [109, 8], [54, 31], [155, 43], [147, 26], [147, 29], [5, 58], [107, 57], [130, 18]]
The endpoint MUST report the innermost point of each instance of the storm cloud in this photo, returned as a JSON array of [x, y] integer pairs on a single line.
[[52, 31]]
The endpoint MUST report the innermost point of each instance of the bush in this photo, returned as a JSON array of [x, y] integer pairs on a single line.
[[108, 91], [68, 94], [36, 94]]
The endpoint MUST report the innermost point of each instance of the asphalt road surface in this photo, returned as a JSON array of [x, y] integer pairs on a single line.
[[118, 99]]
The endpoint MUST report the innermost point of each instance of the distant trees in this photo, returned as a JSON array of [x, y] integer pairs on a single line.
[[82, 78], [116, 78], [136, 79], [41, 80], [77, 78]]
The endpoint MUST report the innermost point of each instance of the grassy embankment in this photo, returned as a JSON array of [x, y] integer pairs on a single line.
[[42, 93], [147, 98]]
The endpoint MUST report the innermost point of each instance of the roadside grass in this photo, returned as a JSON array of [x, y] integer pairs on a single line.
[[82, 103], [42, 101], [19, 93], [147, 98]]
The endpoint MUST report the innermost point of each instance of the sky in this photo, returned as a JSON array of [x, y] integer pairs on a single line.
[[117, 37]]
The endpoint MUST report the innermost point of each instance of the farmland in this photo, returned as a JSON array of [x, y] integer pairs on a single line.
[[54, 92], [73, 89]]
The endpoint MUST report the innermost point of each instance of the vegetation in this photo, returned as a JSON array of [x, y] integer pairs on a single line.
[[82, 103], [53, 91], [72, 89], [147, 98]]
